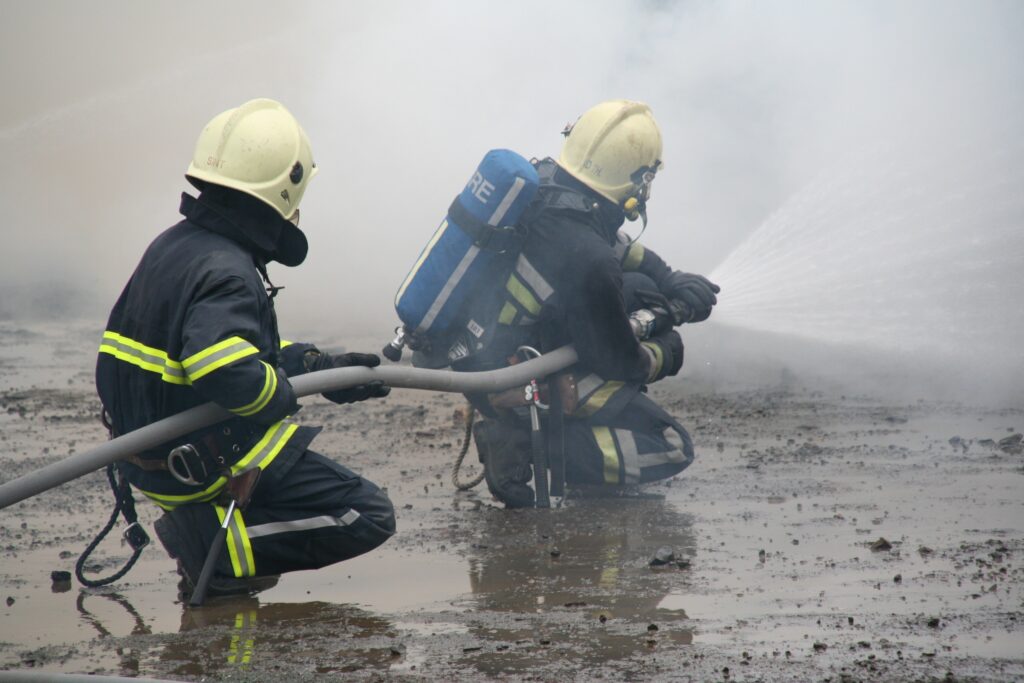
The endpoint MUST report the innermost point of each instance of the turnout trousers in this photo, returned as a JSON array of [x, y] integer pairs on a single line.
[[635, 443], [616, 434], [316, 513], [638, 444]]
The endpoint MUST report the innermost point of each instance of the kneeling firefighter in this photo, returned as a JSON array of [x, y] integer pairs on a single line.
[[196, 323], [579, 280]]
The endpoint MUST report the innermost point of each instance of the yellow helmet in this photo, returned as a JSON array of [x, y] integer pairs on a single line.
[[260, 149], [614, 149]]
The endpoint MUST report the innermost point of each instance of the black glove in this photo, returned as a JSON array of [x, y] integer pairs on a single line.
[[317, 360], [292, 358], [670, 345], [694, 295]]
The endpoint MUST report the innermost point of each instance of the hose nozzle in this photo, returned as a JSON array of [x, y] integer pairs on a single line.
[[393, 350]]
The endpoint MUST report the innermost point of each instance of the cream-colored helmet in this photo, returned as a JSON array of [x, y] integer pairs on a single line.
[[260, 149], [615, 149]]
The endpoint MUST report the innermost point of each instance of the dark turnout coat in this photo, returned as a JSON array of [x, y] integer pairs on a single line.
[[195, 324]]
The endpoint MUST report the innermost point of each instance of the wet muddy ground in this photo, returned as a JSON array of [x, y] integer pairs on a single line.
[[818, 537]]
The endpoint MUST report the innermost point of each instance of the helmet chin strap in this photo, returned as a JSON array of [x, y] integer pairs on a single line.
[[636, 208]]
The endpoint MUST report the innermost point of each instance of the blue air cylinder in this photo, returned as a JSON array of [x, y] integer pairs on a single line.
[[475, 243]]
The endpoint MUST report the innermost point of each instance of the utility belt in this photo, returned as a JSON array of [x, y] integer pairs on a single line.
[[196, 458], [523, 396]]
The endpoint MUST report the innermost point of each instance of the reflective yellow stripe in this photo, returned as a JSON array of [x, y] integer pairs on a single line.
[[169, 502], [534, 279], [659, 359], [237, 540], [423, 256], [217, 356], [243, 621], [142, 356], [229, 541], [260, 455], [285, 342], [269, 387], [634, 255], [267, 448], [606, 443], [243, 537], [610, 575], [521, 294], [597, 400], [508, 314]]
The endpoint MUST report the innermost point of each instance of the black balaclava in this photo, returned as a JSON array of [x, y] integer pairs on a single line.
[[247, 220]]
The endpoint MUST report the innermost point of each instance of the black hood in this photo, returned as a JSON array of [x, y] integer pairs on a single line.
[[247, 220], [561, 192]]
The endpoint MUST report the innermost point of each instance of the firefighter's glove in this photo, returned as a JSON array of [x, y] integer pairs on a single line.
[[666, 353], [292, 358], [317, 360], [660, 318], [693, 296]]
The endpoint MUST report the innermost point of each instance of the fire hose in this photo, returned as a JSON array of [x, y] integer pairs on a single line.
[[165, 430]]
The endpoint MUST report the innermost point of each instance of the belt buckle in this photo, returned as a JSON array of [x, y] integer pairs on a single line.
[[186, 465]]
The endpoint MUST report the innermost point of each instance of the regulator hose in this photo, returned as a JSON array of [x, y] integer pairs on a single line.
[[404, 377]]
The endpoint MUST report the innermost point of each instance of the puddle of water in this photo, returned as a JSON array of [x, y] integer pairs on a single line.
[[145, 601], [381, 581]]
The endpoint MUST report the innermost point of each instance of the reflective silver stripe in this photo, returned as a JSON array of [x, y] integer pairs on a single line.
[[588, 385], [236, 534], [302, 524], [506, 201], [282, 431], [468, 258], [655, 366], [531, 277], [241, 348], [674, 440], [170, 368], [449, 286], [660, 458], [630, 457]]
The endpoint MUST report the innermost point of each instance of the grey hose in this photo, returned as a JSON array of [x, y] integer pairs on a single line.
[[54, 677], [190, 420]]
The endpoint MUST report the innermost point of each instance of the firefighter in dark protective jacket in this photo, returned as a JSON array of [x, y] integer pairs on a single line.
[[581, 280], [196, 323]]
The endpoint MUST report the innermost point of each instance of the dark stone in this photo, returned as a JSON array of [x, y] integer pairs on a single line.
[[662, 556], [1013, 444], [881, 545]]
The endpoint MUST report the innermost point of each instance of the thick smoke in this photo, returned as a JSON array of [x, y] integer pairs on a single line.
[[402, 99]]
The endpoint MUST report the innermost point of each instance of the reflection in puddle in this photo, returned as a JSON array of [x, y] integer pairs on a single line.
[[385, 580], [242, 633], [577, 581]]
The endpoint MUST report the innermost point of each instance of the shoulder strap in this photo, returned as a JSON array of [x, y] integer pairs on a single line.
[[490, 237]]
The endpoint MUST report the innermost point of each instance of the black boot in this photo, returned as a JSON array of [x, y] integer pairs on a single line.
[[505, 454], [183, 543]]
